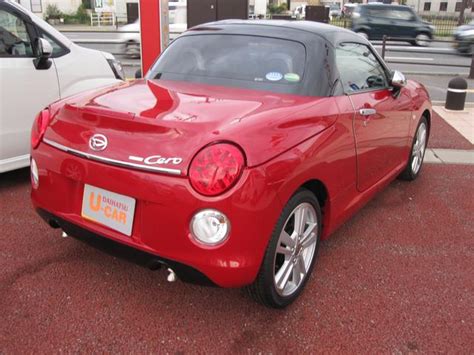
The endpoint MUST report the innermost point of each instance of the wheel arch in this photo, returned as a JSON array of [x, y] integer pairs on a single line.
[[424, 31], [427, 115], [320, 191]]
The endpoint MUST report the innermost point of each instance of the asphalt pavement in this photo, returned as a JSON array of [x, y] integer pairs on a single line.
[[395, 278]]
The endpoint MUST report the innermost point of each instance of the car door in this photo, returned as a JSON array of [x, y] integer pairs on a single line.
[[378, 22], [404, 22], [381, 119], [24, 90]]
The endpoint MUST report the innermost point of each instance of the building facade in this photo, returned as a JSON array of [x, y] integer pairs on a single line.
[[39, 6], [438, 7]]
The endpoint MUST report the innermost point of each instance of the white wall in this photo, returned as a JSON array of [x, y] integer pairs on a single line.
[[66, 6], [121, 6]]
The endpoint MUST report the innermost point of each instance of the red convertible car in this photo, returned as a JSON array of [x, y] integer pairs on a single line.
[[246, 144]]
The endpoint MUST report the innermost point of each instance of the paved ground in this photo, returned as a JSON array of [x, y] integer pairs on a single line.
[[462, 121], [396, 278], [449, 156], [444, 135]]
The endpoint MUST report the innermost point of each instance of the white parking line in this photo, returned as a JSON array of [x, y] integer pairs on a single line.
[[421, 49], [410, 58]]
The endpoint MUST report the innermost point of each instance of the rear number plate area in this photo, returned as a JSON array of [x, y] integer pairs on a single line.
[[108, 208]]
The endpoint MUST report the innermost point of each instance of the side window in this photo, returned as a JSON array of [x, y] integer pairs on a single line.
[[359, 68], [58, 49], [14, 38], [402, 14]]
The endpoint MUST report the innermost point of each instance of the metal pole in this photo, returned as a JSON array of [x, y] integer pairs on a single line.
[[471, 72], [383, 46]]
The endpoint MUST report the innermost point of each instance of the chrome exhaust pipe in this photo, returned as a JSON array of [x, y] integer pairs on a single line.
[[171, 276]]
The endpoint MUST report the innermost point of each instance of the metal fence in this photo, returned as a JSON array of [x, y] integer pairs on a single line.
[[343, 22], [445, 25]]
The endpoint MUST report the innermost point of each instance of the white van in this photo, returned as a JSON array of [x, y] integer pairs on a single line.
[[38, 65]]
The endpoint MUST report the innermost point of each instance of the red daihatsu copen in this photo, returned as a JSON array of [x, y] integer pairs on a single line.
[[246, 144]]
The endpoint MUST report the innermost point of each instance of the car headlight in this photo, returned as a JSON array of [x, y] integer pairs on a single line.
[[433, 28], [117, 68], [209, 227]]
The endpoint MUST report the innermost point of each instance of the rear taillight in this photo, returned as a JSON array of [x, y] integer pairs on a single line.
[[216, 168], [39, 127]]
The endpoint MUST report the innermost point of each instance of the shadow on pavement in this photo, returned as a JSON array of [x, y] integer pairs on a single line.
[[14, 178]]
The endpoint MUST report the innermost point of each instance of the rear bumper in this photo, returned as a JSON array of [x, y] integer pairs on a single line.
[[164, 207], [184, 272]]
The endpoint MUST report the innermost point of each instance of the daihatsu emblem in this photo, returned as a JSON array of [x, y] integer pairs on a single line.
[[98, 142]]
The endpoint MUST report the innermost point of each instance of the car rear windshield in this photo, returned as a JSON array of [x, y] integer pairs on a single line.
[[251, 62]]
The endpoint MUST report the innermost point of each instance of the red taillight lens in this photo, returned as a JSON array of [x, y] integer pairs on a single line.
[[39, 127], [216, 169]]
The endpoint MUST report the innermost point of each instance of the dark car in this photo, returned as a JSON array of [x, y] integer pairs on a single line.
[[464, 37], [373, 21]]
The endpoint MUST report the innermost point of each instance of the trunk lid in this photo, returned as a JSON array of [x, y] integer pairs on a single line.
[[165, 123]]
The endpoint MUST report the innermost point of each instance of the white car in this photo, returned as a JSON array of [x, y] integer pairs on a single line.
[[130, 34], [38, 65], [130, 37]]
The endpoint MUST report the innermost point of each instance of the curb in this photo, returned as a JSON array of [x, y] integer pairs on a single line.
[[449, 156]]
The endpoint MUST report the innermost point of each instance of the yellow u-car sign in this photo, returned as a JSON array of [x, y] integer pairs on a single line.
[[108, 208]]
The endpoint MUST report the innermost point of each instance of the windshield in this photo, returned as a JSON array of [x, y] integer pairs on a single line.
[[253, 62]]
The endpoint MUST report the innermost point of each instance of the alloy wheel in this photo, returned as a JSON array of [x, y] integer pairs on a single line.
[[418, 151], [132, 50], [295, 249], [422, 40]]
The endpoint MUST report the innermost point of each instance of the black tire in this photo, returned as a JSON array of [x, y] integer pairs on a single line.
[[422, 39], [264, 290], [409, 174], [132, 49]]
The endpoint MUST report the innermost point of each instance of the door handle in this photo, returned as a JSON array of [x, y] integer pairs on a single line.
[[367, 111]]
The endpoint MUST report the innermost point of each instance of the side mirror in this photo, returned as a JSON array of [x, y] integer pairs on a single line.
[[398, 80], [44, 51]]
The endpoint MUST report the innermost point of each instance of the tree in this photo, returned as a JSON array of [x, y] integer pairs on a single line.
[[461, 13]]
